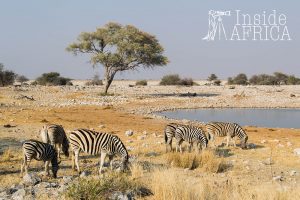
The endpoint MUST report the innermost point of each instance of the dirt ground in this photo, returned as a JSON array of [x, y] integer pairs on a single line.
[[130, 109]]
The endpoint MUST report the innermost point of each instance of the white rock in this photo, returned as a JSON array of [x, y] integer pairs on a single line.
[[289, 144], [268, 161], [280, 145], [297, 151], [31, 179], [293, 173], [19, 195], [263, 141], [129, 133], [278, 178]]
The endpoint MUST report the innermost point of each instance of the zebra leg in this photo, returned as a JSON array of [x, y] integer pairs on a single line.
[[234, 144], [190, 147], [76, 155], [228, 139], [102, 159], [47, 167], [169, 143], [110, 161], [23, 165], [177, 144], [212, 136], [180, 146]]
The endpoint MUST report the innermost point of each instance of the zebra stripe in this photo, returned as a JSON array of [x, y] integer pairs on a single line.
[[191, 135], [231, 130], [56, 136], [40, 151], [169, 134], [93, 143]]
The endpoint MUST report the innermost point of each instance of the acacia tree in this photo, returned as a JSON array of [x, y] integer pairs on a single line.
[[119, 48]]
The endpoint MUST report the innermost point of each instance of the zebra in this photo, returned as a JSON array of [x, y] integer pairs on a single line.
[[93, 143], [230, 130], [56, 136], [169, 134], [190, 134], [33, 149]]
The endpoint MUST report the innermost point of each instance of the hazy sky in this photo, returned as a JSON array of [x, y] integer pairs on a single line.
[[34, 35]]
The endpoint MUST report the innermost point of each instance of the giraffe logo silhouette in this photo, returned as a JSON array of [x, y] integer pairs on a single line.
[[215, 25]]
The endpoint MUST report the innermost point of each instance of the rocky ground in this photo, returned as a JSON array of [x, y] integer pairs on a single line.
[[271, 159]]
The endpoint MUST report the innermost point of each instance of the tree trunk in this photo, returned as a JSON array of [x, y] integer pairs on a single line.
[[109, 77]]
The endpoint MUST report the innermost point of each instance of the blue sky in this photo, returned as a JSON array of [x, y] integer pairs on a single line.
[[34, 35]]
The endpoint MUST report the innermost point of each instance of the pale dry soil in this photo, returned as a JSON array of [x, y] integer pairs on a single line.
[[130, 108]]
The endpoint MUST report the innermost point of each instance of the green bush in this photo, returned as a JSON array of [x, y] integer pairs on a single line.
[[186, 82], [263, 79], [141, 82], [212, 77], [7, 77], [240, 79], [52, 78], [292, 80], [217, 82], [22, 79], [103, 188], [174, 79]]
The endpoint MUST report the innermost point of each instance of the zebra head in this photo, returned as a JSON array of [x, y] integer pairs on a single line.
[[65, 146], [244, 142], [54, 164]]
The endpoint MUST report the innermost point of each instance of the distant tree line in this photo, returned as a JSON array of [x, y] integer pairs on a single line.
[[277, 78]]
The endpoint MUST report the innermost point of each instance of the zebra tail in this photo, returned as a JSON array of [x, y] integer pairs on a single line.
[[166, 138]]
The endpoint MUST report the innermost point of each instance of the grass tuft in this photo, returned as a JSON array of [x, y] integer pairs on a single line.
[[103, 188], [207, 160]]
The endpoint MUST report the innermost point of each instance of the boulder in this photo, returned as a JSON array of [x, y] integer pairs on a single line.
[[19, 195], [31, 179], [297, 151], [129, 133]]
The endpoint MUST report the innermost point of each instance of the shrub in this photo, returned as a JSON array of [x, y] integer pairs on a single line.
[[281, 78], [292, 80], [263, 79], [52, 78], [240, 79], [141, 82], [217, 82], [174, 79], [212, 77], [186, 82], [94, 189], [6, 77], [22, 78], [95, 81]]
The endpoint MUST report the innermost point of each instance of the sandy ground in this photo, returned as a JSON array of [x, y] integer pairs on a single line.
[[131, 108]]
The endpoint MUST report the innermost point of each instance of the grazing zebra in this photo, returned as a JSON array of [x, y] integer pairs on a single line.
[[191, 135], [230, 130], [169, 134], [40, 151], [56, 136], [94, 143]]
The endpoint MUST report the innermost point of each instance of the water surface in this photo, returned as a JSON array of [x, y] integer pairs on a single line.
[[277, 118]]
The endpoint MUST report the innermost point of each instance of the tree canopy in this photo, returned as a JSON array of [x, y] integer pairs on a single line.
[[119, 48]]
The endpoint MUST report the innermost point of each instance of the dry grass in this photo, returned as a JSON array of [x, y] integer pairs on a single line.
[[207, 160], [103, 188], [11, 155], [173, 184]]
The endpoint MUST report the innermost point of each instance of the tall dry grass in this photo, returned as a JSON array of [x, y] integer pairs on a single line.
[[174, 185], [207, 160]]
